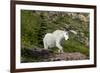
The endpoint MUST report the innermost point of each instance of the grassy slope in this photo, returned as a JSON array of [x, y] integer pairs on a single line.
[[29, 27]]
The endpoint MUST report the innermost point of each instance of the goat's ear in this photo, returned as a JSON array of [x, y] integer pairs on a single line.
[[64, 28]]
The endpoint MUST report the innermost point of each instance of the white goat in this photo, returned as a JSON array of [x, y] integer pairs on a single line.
[[54, 39]]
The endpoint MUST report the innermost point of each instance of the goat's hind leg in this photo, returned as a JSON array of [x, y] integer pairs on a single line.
[[45, 45]]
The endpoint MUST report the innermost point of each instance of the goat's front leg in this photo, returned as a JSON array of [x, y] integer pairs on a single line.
[[59, 46]]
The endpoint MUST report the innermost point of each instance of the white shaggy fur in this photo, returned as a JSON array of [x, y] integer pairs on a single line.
[[54, 39]]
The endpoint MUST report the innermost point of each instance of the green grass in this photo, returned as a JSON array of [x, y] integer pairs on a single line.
[[75, 46]]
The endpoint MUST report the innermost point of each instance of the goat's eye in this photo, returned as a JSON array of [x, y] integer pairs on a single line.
[[66, 33]]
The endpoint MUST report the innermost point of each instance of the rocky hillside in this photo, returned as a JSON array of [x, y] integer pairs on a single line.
[[35, 24]]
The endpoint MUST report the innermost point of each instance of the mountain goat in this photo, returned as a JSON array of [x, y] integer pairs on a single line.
[[54, 39]]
